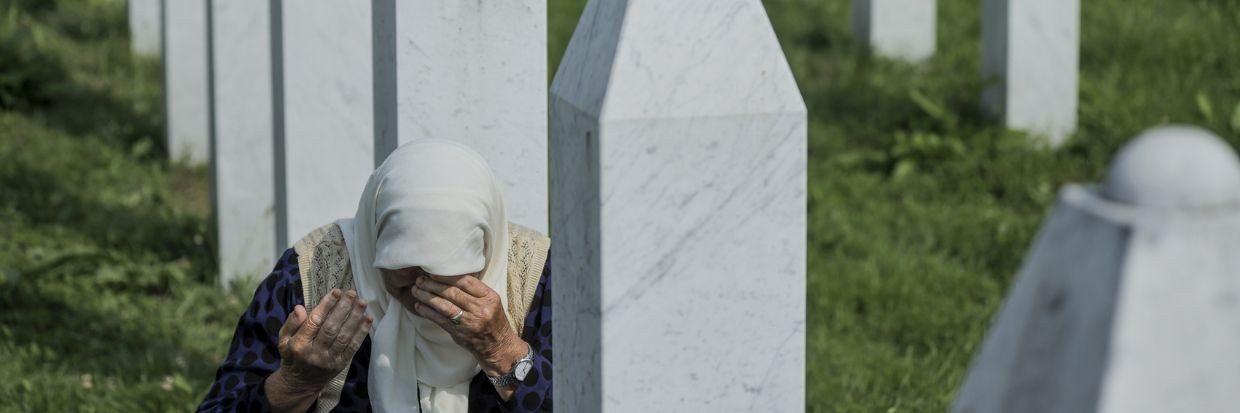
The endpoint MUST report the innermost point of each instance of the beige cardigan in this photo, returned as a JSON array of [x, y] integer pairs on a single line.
[[324, 265]]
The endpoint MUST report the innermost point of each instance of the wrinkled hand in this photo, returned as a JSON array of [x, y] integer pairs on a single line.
[[483, 327], [315, 348]]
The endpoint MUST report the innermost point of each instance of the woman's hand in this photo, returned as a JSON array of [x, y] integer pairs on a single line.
[[483, 327], [315, 348]]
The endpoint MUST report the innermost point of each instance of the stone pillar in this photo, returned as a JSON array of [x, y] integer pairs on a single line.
[[1031, 53], [242, 176], [474, 72], [902, 29], [678, 164], [1129, 300], [324, 101], [186, 91], [145, 26]]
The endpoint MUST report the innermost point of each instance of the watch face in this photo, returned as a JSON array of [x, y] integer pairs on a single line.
[[522, 369]]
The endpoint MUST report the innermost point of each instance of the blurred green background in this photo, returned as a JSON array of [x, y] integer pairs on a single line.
[[920, 207]]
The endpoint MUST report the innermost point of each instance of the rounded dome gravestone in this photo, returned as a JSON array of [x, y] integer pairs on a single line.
[[1129, 300], [1175, 167]]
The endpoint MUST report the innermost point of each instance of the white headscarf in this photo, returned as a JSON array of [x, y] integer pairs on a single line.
[[432, 204]]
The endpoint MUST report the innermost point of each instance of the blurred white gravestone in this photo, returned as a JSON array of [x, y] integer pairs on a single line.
[[903, 29], [185, 81], [1031, 53], [324, 95], [1129, 300], [145, 26], [242, 175], [473, 72], [678, 163]]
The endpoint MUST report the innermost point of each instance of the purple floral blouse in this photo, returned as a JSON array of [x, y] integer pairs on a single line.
[[253, 354]]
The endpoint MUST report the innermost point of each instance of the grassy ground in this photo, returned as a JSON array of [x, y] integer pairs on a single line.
[[107, 300], [920, 208]]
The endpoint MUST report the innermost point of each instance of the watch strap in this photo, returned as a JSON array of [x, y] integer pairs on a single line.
[[510, 378]]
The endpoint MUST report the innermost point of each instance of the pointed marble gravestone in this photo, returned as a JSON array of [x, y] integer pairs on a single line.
[[903, 29], [241, 172], [678, 173], [1031, 55], [473, 72], [1129, 300], [324, 117], [145, 26], [187, 94]]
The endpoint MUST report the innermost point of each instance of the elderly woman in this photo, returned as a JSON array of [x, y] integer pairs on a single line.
[[428, 300]]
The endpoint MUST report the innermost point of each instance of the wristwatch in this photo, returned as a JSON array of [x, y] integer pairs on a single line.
[[519, 370]]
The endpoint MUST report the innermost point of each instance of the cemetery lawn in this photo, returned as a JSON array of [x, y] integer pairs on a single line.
[[107, 296], [920, 208]]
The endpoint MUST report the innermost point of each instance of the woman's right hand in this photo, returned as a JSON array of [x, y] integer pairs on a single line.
[[315, 348]]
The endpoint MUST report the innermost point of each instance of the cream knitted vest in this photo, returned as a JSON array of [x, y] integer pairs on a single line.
[[324, 265]]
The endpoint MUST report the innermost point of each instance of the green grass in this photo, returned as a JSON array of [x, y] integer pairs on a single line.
[[920, 207], [107, 296]]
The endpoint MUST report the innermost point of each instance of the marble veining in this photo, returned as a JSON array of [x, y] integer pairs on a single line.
[[243, 174], [328, 142], [678, 153], [185, 81], [476, 72]]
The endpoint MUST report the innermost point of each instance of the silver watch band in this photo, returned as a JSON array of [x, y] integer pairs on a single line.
[[510, 378]]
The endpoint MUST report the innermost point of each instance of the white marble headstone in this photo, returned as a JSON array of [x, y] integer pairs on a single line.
[[473, 72], [145, 26], [185, 81], [678, 163], [1129, 301], [1031, 54], [903, 29], [242, 174], [324, 113]]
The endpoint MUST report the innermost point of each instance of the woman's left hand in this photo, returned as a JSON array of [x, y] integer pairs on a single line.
[[483, 327]]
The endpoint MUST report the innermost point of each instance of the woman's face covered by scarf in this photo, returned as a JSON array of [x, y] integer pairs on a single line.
[[433, 207], [434, 212], [400, 282]]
